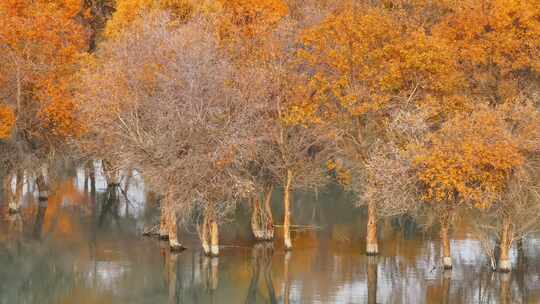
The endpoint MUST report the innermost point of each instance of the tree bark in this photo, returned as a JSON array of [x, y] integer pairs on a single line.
[[256, 219], [287, 211], [506, 243], [8, 191], [372, 246], [163, 230], [204, 235], [445, 240], [214, 237], [172, 226], [15, 202], [262, 224], [269, 220], [43, 188]]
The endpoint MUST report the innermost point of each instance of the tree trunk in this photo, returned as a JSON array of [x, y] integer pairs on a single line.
[[256, 219], [269, 221], [15, 202], [287, 211], [214, 237], [445, 240], [506, 243], [372, 247], [8, 191], [173, 230], [163, 230], [262, 224], [43, 188], [204, 235]]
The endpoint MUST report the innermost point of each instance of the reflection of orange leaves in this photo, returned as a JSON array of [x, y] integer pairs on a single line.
[[7, 121], [58, 218]]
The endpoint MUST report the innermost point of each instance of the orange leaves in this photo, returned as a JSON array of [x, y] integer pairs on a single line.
[[469, 160], [367, 58], [7, 121], [497, 42], [129, 11], [41, 43], [249, 18]]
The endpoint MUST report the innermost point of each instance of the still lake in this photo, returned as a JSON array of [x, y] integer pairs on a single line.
[[84, 248]]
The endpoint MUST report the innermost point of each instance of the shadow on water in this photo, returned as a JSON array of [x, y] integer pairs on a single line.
[[82, 245]]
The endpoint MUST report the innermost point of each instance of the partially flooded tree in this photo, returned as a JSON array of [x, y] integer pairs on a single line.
[[365, 61], [171, 108]]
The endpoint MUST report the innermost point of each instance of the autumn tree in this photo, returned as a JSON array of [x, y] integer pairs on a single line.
[[169, 106], [41, 42], [365, 60]]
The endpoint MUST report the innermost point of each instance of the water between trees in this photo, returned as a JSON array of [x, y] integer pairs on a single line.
[[82, 246]]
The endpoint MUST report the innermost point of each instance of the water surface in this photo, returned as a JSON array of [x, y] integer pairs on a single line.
[[82, 247]]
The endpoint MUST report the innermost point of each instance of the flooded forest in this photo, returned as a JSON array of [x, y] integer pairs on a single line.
[[269, 151]]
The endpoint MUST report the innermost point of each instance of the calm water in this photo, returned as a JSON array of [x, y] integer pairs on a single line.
[[79, 248]]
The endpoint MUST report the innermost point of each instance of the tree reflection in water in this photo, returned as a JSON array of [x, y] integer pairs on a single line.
[[74, 249]]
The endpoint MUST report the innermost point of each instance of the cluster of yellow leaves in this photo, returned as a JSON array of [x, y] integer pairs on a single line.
[[7, 121], [469, 160]]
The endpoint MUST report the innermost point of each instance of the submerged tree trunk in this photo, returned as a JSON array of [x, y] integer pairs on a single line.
[[204, 235], [163, 230], [506, 243], [43, 188], [214, 237], [262, 224], [172, 226], [372, 247], [7, 190], [15, 202], [209, 234], [287, 212], [445, 241]]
